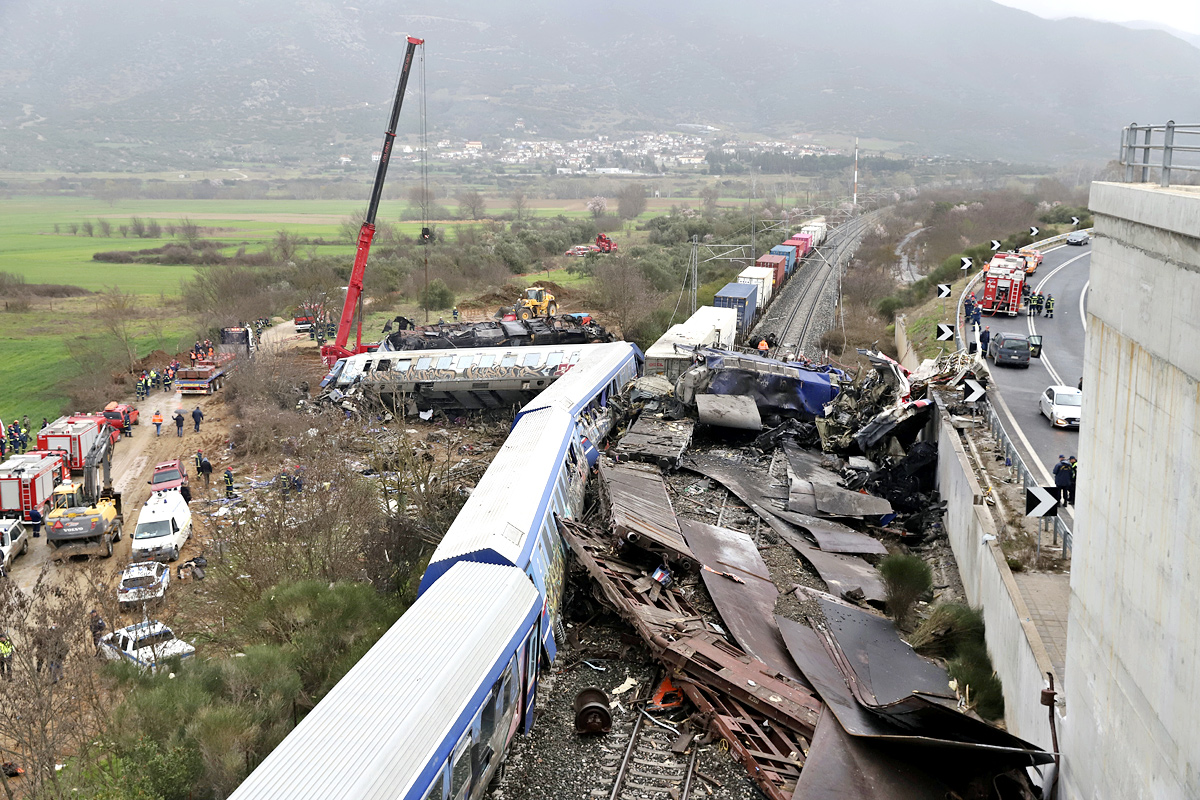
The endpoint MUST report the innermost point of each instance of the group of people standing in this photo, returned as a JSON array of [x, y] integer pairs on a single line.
[[201, 350], [16, 436], [154, 379], [1066, 474]]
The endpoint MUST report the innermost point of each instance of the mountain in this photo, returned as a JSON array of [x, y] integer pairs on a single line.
[[1145, 24], [158, 82]]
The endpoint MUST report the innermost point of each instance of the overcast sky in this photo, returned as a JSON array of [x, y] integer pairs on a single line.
[[1181, 14]]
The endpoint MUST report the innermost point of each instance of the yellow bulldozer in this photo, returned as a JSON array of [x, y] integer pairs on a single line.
[[536, 302]]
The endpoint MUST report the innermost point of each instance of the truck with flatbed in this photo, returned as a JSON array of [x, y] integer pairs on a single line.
[[209, 374]]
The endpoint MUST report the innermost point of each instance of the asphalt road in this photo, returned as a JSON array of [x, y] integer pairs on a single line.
[[1064, 273]]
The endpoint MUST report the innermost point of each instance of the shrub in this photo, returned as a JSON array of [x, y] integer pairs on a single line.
[[949, 627], [436, 296], [977, 681], [905, 579]]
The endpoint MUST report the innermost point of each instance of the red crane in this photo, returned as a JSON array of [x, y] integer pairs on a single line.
[[330, 353]]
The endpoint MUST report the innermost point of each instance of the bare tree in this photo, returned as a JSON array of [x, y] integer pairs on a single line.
[[153, 229], [285, 245], [124, 230], [105, 227], [73, 227], [625, 293], [116, 311], [55, 705], [88, 228], [520, 203], [709, 196], [631, 200], [138, 227], [471, 204]]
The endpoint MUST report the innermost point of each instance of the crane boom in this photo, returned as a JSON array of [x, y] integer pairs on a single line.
[[330, 353]]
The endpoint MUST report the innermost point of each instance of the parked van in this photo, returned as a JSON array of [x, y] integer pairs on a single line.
[[163, 525]]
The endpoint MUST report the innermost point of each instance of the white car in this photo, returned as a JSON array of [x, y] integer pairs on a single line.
[[1062, 405], [143, 582], [147, 644], [14, 541]]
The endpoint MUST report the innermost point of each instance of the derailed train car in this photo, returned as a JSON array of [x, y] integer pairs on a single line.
[[429, 711]]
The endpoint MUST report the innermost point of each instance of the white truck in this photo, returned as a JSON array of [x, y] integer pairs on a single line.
[[147, 644], [163, 525]]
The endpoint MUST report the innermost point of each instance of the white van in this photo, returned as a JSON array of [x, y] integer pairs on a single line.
[[163, 525]]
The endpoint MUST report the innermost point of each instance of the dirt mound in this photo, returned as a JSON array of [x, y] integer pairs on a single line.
[[507, 294], [158, 358]]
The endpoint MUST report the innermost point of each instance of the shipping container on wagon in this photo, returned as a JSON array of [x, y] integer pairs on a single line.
[[742, 297], [788, 252], [777, 264], [765, 278]]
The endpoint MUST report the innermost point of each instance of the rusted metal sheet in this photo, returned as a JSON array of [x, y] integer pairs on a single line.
[[847, 576], [747, 607], [639, 510], [634, 595], [886, 668], [916, 720], [659, 441], [712, 661], [833, 537], [839, 502], [808, 465], [772, 754], [841, 766], [728, 411]]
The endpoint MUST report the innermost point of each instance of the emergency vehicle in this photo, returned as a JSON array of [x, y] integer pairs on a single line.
[[1003, 286], [27, 481]]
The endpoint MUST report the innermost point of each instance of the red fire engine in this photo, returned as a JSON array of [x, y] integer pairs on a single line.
[[1003, 286]]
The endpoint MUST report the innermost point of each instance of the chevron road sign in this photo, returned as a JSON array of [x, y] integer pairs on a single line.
[[1039, 502], [945, 332], [943, 290]]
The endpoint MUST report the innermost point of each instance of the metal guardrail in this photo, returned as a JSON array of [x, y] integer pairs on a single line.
[[1012, 457], [1011, 454], [1135, 155]]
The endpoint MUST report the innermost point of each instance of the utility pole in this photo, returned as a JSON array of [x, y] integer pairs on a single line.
[[856, 173], [694, 271]]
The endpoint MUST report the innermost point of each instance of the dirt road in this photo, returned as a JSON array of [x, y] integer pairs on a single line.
[[134, 460]]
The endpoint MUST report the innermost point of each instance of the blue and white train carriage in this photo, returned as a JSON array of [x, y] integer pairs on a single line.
[[585, 391], [430, 710], [539, 471]]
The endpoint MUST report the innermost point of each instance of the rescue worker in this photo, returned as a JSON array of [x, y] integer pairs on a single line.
[[198, 460], [157, 419], [6, 655], [197, 417], [178, 418], [1074, 480], [97, 627], [229, 483], [126, 425], [1062, 479], [1038, 300], [35, 520], [155, 379], [1049, 306], [167, 378], [205, 471], [139, 388], [456, 313], [763, 346], [984, 337]]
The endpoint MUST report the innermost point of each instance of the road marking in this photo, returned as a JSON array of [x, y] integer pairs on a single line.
[[1029, 320], [998, 397], [1082, 312]]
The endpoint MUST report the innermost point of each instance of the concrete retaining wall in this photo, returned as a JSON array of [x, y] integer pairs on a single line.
[[1133, 636], [1018, 654], [908, 356]]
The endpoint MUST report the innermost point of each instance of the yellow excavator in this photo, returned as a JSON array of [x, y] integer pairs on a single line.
[[86, 515], [536, 302]]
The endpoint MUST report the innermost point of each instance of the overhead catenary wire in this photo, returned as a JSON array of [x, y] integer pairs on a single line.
[[425, 182]]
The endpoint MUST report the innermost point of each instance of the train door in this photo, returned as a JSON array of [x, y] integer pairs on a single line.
[[529, 657]]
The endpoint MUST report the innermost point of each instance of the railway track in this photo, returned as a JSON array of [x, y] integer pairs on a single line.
[[648, 768], [798, 325]]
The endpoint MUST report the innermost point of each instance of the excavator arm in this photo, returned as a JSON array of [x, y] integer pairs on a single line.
[[330, 353]]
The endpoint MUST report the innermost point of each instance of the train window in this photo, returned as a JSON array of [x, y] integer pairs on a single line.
[[531, 359], [554, 359], [438, 789], [384, 365], [531, 653], [402, 366], [487, 717], [444, 362], [509, 684], [465, 361], [460, 772], [424, 362], [508, 360], [575, 357], [367, 365], [487, 360]]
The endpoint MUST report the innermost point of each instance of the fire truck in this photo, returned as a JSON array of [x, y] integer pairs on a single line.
[[1003, 286], [74, 436], [27, 481]]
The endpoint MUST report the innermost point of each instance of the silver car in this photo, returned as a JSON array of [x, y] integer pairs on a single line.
[[1079, 238]]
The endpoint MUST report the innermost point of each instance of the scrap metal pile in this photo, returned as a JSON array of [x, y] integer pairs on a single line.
[[560, 329], [831, 704]]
